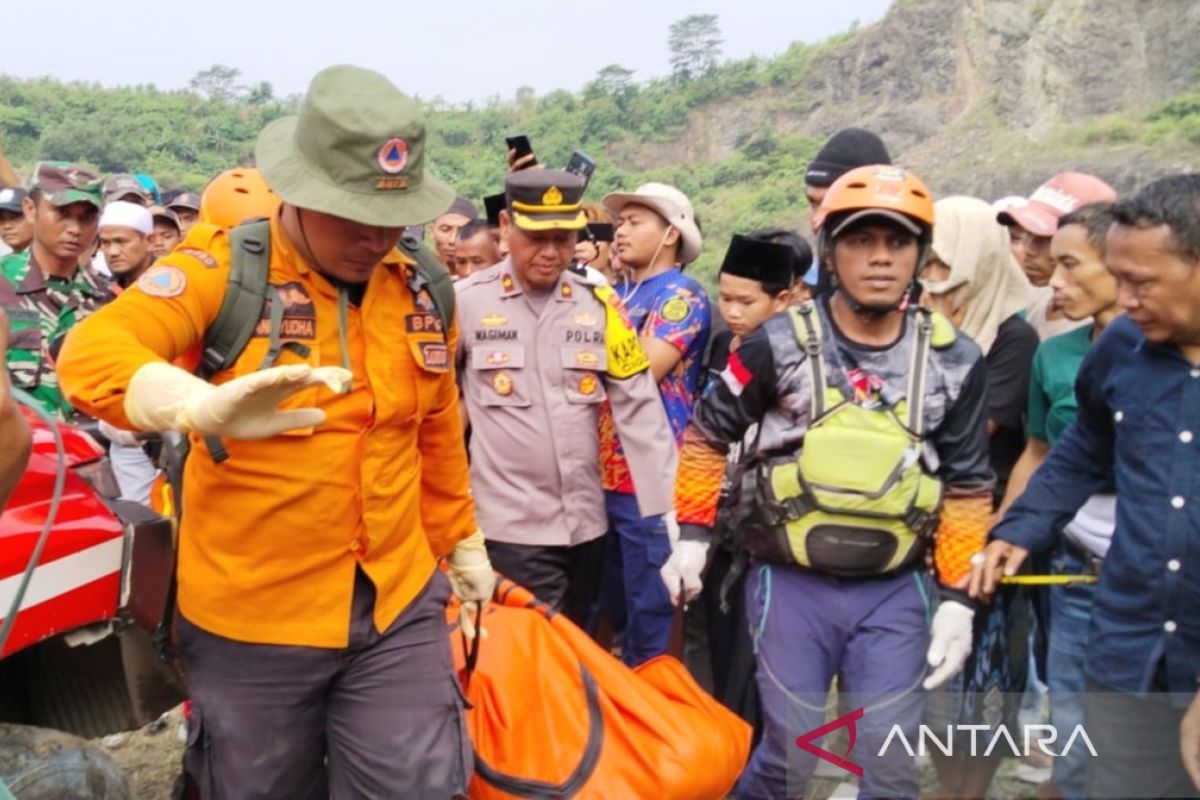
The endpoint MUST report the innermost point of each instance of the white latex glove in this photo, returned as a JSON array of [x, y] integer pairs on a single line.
[[681, 573], [950, 642], [161, 397], [672, 523], [472, 578], [118, 436]]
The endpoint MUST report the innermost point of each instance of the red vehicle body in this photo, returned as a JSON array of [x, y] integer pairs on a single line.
[[80, 656]]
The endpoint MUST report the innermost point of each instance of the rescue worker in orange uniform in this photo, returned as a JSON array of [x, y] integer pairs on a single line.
[[312, 612]]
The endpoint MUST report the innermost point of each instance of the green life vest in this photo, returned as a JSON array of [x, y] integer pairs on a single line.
[[856, 500]]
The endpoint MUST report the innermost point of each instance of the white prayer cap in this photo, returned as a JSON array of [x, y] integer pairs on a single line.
[[123, 214]]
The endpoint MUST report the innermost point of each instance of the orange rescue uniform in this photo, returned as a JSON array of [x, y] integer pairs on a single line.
[[271, 537]]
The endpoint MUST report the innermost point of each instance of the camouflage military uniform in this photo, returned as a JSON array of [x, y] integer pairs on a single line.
[[40, 312]]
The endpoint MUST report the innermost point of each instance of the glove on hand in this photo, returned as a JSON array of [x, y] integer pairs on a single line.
[[949, 643], [472, 578], [161, 397], [681, 573]]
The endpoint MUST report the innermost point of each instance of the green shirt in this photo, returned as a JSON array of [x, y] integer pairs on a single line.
[[40, 311], [1052, 405]]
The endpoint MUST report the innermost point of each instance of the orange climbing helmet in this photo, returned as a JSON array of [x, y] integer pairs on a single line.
[[237, 195], [873, 192], [877, 190]]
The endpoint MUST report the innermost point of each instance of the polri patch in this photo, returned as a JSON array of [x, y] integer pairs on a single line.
[[162, 281]]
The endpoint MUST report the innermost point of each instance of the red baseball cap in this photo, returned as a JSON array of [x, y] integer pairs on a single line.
[[1058, 196]]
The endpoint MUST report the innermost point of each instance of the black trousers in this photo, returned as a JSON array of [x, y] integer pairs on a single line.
[[565, 578]]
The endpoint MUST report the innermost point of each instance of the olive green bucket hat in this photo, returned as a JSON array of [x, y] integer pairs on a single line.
[[356, 150]]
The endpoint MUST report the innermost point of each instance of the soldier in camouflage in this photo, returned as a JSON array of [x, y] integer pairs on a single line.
[[43, 290]]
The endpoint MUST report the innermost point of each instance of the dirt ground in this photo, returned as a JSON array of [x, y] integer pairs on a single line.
[[150, 757]]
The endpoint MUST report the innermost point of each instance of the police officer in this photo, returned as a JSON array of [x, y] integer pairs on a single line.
[[43, 290], [542, 347], [869, 413], [312, 613]]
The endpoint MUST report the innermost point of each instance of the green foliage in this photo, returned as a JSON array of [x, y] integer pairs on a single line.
[[179, 137], [1174, 121]]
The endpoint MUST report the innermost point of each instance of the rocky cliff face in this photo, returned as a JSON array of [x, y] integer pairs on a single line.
[[930, 63], [967, 91]]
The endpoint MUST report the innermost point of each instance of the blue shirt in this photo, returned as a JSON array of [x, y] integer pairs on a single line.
[[1139, 416]]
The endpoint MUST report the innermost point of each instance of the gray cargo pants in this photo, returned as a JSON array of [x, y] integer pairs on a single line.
[[382, 718]]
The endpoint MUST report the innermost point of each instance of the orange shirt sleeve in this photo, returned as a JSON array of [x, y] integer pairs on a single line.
[[447, 510], [698, 482], [160, 318]]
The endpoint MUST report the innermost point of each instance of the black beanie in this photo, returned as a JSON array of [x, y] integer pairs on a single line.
[[845, 150]]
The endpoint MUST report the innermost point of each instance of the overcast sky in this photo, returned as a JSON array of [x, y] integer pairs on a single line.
[[460, 50]]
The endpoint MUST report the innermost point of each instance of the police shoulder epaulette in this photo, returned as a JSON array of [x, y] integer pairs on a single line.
[[489, 275]]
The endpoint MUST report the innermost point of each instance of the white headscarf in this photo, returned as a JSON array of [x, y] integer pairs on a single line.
[[969, 240]]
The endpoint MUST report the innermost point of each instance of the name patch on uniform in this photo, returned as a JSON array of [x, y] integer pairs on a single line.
[[584, 337], [495, 335], [423, 323], [200, 255], [299, 314], [162, 281], [435, 356]]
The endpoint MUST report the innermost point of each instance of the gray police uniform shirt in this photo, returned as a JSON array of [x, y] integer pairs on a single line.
[[535, 377]]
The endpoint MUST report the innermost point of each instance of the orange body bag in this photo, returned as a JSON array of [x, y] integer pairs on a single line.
[[555, 716]]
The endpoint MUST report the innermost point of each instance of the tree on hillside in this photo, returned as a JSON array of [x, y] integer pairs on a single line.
[[695, 44], [260, 94], [218, 82], [614, 79]]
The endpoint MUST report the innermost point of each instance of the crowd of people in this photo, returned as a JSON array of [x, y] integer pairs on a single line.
[[834, 471]]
